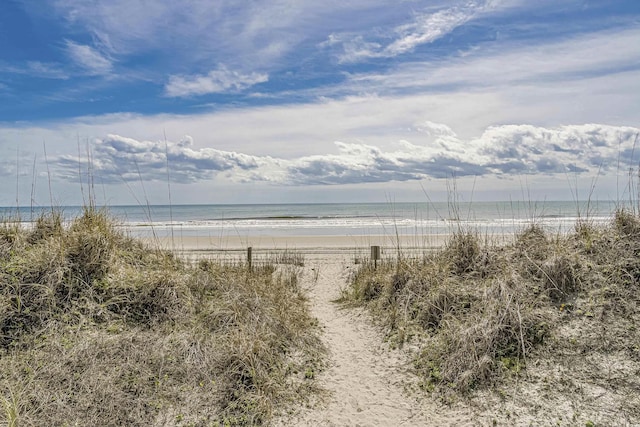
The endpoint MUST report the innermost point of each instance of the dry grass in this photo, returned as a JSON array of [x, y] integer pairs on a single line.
[[528, 318], [286, 256], [96, 329]]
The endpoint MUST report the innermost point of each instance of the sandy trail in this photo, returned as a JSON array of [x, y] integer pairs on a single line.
[[365, 381]]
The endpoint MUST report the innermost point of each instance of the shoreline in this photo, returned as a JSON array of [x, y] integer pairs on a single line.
[[202, 246]]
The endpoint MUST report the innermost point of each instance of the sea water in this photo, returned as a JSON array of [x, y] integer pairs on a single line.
[[343, 219]]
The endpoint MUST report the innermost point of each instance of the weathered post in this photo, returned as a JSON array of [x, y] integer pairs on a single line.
[[249, 260], [375, 255]]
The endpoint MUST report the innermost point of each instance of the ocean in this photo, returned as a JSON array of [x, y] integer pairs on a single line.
[[343, 219]]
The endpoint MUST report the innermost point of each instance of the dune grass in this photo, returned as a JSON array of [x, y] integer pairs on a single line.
[[97, 329], [479, 316]]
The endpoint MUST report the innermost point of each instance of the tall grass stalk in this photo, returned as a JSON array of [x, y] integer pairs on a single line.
[[166, 155], [11, 409]]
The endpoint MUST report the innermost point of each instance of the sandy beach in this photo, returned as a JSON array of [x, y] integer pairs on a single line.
[[305, 243], [365, 381], [342, 366], [329, 246], [326, 248]]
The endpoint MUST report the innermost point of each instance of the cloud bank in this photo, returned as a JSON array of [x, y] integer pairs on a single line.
[[115, 159], [502, 151]]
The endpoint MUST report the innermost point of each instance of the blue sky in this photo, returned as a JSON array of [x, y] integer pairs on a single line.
[[285, 101]]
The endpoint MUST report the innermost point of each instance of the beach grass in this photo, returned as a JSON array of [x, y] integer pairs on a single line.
[[98, 329], [557, 311]]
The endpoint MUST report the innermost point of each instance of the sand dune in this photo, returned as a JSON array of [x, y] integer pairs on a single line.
[[366, 382]]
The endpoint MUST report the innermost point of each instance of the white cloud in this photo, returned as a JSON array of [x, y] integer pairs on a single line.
[[219, 80], [243, 34], [116, 159], [429, 27], [46, 70], [582, 148], [435, 129], [501, 151], [512, 64], [423, 29], [121, 22], [37, 69], [260, 34], [292, 146], [88, 58]]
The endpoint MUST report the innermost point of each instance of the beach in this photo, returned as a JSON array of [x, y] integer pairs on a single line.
[[365, 381], [403, 342], [206, 245], [295, 213]]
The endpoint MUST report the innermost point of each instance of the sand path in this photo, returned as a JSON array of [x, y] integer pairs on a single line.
[[364, 380]]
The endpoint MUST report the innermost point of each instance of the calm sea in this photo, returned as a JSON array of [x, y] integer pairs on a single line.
[[347, 219]]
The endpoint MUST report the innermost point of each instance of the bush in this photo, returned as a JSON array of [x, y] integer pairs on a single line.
[[477, 313], [96, 329]]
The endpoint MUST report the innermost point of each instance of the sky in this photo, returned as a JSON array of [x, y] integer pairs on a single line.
[[285, 101]]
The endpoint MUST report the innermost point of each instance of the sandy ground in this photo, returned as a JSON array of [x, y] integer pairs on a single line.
[[365, 381], [307, 244]]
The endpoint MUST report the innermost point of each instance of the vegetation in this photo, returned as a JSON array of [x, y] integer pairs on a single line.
[[557, 310], [96, 329]]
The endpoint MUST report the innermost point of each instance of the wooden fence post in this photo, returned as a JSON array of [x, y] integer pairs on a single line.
[[375, 255], [249, 260]]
